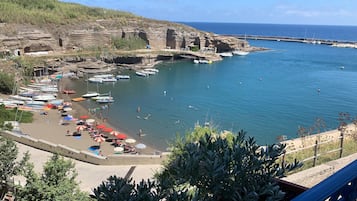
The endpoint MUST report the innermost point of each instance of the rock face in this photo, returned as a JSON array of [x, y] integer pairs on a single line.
[[30, 39]]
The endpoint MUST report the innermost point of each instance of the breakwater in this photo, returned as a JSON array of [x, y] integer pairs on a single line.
[[335, 43]]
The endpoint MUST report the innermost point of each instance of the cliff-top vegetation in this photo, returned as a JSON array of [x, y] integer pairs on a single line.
[[37, 12]]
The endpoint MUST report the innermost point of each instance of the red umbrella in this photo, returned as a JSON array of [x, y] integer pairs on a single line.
[[100, 126], [107, 130], [121, 136], [84, 117]]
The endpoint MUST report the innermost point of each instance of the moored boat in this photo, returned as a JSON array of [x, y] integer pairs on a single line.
[[240, 52], [90, 94], [123, 77], [140, 73], [68, 91]]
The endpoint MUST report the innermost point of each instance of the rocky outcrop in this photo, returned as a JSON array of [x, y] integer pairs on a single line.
[[158, 35]]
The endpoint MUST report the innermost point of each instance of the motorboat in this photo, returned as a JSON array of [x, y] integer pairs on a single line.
[[104, 76], [122, 77], [90, 94], [95, 80], [22, 98], [240, 52], [149, 72], [109, 79], [44, 97], [105, 100], [141, 73], [226, 54], [202, 61], [152, 70]]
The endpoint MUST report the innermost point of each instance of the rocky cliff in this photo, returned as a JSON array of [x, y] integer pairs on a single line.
[[34, 39]]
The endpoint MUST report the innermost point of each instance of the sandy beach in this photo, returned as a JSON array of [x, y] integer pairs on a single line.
[[48, 127]]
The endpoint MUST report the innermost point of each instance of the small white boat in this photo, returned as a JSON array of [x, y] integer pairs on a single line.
[[240, 52], [104, 76], [202, 61], [90, 94], [109, 79], [101, 96], [141, 73], [41, 103], [122, 77], [44, 97], [152, 70], [105, 100], [22, 98], [148, 72], [95, 79], [226, 54], [49, 89]]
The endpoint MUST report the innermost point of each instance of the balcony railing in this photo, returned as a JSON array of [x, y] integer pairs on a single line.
[[341, 186]]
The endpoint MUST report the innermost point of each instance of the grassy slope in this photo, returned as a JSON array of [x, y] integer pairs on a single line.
[[37, 12]]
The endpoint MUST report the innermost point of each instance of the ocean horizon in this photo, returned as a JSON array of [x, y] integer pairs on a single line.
[[267, 93]]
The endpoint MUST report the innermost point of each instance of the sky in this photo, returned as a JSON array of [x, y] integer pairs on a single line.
[[316, 12]]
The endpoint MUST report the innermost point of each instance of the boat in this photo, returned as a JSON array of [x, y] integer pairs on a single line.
[[44, 97], [240, 52], [202, 61], [141, 73], [122, 77], [49, 89], [109, 79], [226, 54], [68, 91], [31, 103], [103, 76], [22, 98], [149, 72], [79, 99], [90, 94], [105, 100], [152, 70], [95, 79]]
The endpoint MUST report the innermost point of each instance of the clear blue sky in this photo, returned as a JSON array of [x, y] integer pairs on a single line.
[[324, 12]]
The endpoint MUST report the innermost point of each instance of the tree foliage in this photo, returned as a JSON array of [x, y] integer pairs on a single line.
[[209, 166], [13, 115], [57, 182], [9, 163], [213, 168], [132, 43], [6, 83]]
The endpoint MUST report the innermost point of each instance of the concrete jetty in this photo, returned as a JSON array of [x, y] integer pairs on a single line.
[[335, 43]]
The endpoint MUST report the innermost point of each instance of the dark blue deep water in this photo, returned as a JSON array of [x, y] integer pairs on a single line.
[[266, 93]]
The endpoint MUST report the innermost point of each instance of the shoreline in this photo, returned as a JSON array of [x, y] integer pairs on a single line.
[[80, 109], [48, 128]]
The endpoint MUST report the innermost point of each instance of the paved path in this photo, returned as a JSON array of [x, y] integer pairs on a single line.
[[89, 175], [315, 175]]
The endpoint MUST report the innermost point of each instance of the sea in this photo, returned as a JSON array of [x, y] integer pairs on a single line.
[[267, 93]]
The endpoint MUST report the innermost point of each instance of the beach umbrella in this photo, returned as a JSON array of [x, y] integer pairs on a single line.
[[84, 117], [140, 146], [81, 127], [68, 118], [121, 136], [90, 121], [118, 149], [99, 139], [107, 129], [130, 141], [100, 126], [114, 133], [67, 109]]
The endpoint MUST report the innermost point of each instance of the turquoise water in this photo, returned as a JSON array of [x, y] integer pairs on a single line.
[[267, 93]]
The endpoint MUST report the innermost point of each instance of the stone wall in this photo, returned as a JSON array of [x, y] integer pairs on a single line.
[[83, 155], [159, 35]]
